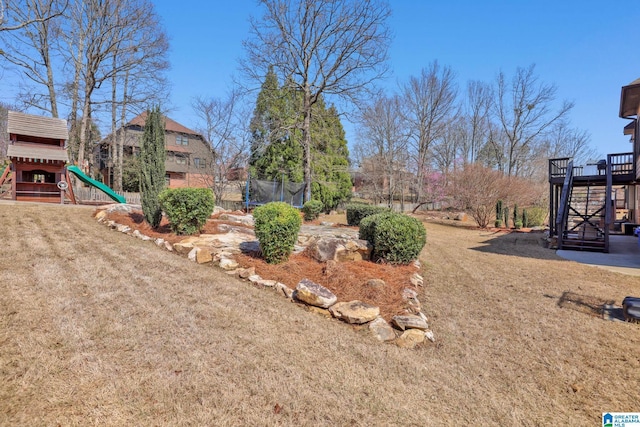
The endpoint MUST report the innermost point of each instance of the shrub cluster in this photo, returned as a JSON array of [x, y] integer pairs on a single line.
[[312, 209], [187, 208], [276, 226], [357, 211], [396, 238]]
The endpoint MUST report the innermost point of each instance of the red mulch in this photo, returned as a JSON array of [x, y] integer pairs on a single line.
[[347, 280]]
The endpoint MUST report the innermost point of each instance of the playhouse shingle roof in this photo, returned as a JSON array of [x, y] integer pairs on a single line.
[[38, 126], [37, 152]]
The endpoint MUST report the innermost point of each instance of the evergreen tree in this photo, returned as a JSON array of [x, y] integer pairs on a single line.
[[152, 171], [276, 143], [331, 181]]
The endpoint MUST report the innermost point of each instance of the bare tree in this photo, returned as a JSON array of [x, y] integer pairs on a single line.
[[101, 29], [225, 129], [382, 147], [524, 110], [138, 63], [12, 18], [446, 149], [320, 47], [429, 105], [564, 141], [30, 49], [477, 106]]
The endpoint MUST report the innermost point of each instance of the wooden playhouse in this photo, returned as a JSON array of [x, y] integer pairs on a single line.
[[37, 156]]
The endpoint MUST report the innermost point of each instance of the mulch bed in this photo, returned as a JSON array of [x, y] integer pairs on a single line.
[[347, 280]]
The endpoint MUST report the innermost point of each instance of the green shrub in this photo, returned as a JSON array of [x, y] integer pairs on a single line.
[[499, 211], [312, 209], [506, 217], [517, 224], [497, 223], [357, 211], [276, 227], [396, 238], [536, 216], [187, 208], [525, 218]]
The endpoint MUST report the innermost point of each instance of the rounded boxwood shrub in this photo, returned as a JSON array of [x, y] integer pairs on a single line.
[[276, 225], [357, 211], [187, 209], [396, 238], [312, 209]]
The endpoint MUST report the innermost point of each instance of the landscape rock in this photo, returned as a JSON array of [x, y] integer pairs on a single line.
[[286, 291], [409, 322], [381, 330], [204, 256], [246, 272], [314, 294], [356, 312], [410, 338], [416, 280], [183, 248], [228, 264], [140, 236], [410, 297], [429, 335], [123, 228], [168, 246], [101, 215], [192, 254], [338, 249], [254, 278], [409, 294], [240, 219], [267, 283], [218, 209], [226, 228]]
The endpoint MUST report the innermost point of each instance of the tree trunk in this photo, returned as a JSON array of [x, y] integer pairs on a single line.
[[306, 145]]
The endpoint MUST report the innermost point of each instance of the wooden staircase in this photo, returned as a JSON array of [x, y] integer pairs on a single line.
[[583, 216]]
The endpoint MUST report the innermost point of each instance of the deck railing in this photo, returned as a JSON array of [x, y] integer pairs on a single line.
[[620, 163]]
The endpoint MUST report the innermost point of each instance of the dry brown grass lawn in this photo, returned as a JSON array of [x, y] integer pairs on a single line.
[[97, 327]]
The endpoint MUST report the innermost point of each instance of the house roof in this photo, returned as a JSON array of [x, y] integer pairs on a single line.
[[630, 99], [38, 126], [630, 128], [37, 152], [170, 125]]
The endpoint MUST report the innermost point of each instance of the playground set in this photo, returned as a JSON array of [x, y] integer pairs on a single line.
[[38, 169]]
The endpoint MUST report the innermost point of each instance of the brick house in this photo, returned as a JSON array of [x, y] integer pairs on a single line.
[[189, 161]]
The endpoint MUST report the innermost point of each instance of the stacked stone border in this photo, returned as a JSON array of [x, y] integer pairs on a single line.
[[406, 331]]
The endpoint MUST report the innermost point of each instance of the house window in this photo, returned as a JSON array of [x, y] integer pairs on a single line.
[[199, 163], [180, 159], [167, 179], [182, 140]]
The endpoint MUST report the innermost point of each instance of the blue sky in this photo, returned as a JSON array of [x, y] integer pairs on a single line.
[[586, 48]]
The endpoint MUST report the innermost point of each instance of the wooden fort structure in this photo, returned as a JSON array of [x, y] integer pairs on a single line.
[[37, 157], [588, 203]]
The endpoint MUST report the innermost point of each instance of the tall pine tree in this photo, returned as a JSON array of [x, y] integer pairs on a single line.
[[276, 144], [276, 152], [331, 180], [152, 171]]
